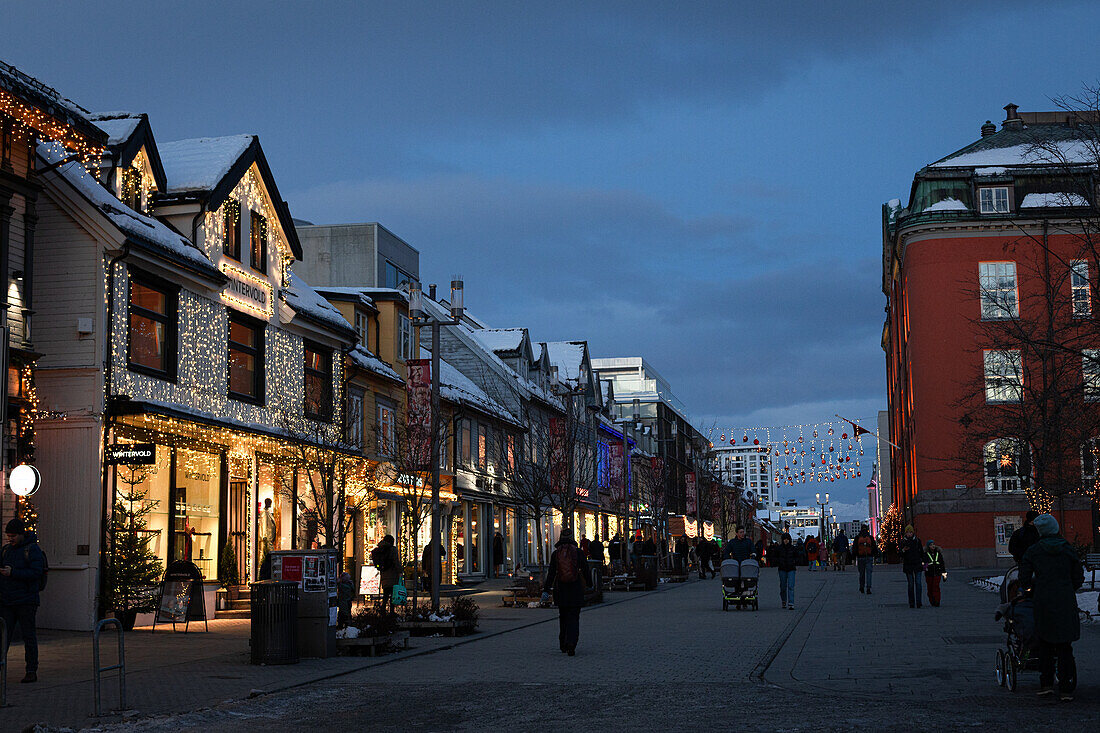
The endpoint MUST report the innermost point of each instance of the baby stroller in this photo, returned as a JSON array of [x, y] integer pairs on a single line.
[[739, 584], [1021, 642]]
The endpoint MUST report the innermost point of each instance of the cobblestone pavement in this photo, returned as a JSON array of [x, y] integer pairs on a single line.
[[673, 659]]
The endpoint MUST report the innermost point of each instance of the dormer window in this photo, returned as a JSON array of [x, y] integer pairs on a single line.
[[993, 200], [231, 243], [131, 188], [257, 239]]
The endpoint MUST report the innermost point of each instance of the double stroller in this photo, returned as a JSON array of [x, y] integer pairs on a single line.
[[1021, 652], [739, 584]]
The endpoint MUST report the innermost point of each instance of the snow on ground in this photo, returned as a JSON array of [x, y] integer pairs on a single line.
[[1086, 599]]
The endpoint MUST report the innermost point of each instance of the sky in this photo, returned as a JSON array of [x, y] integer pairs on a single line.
[[697, 183]]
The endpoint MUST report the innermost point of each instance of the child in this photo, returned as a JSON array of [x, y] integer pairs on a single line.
[[935, 571]]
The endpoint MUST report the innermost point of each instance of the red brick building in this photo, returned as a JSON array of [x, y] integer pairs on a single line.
[[962, 266]]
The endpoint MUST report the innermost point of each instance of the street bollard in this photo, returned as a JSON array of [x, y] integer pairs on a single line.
[[121, 666]]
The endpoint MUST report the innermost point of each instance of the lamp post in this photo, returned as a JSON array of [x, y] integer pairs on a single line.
[[421, 318], [822, 505]]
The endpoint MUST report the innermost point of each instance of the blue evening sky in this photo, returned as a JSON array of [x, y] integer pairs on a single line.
[[697, 183]]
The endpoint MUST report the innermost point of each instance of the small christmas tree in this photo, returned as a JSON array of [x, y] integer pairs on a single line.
[[227, 567], [890, 533], [133, 569]]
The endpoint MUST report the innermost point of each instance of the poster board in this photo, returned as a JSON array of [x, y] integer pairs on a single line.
[[370, 581], [181, 596]]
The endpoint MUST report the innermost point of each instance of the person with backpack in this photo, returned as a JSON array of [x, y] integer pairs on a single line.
[[567, 578], [23, 570], [385, 558], [865, 551], [812, 548], [913, 563], [840, 549], [935, 571]]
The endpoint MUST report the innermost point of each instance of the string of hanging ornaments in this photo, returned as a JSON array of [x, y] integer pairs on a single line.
[[821, 452]]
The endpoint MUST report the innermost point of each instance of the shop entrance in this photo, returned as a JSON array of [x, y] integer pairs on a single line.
[[237, 528]]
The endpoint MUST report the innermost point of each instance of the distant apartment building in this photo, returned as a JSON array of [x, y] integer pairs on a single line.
[[748, 466], [356, 255], [801, 521]]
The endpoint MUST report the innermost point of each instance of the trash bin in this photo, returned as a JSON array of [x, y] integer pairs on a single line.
[[274, 638], [645, 569]]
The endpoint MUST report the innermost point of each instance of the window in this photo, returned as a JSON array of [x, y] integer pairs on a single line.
[[464, 442], [997, 282], [257, 241], [361, 328], [318, 382], [1090, 458], [603, 465], [404, 337], [386, 428], [396, 277], [1003, 375], [510, 452], [231, 241], [152, 327], [1079, 285], [1090, 371], [482, 445], [355, 418], [246, 353], [1006, 466], [993, 200]]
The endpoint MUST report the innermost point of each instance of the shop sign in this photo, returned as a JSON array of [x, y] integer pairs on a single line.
[[132, 454], [692, 498], [248, 292]]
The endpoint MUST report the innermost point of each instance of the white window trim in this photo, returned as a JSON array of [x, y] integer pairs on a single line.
[[1076, 268], [993, 190], [999, 392], [991, 292], [404, 337], [1090, 360]]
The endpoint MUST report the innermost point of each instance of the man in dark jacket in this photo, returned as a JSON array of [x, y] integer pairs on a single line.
[[617, 557], [840, 547], [22, 565], [740, 547], [1051, 572], [567, 577], [704, 551], [865, 549], [595, 551], [388, 562], [786, 559], [1024, 537], [682, 553], [912, 562]]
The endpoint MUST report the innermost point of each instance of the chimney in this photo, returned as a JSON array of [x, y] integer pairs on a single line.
[[1011, 118], [988, 129], [431, 291]]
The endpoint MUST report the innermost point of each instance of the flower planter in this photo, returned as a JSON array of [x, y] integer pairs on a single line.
[[427, 628], [373, 644]]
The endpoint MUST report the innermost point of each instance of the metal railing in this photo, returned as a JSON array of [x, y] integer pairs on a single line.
[[121, 666]]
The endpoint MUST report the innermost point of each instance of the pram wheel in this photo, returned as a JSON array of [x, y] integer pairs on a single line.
[[1002, 676], [1010, 674]]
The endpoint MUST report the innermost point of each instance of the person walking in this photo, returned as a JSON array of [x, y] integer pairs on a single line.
[[934, 572], [786, 559], [865, 550], [840, 547], [1051, 573], [615, 550], [567, 578], [740, 547], [681, 547], [812, 549], [912, 562], [426, 561], [1024, 537], [759, 547], [22, 567], [384, 557], [498, 554], [595, 551]]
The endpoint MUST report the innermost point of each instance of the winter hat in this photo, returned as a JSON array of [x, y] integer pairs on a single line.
[[1030, 516], [15, 526], [929, 543], [1046, 524], [565, 536], [908, 528]]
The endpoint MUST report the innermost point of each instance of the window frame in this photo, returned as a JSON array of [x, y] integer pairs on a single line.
[[1090, 361], [993, 191], [257, 352], [354, 417], [233, 251], [994, 392], [1079, 288], [465, 444], [362, 327], [991, 291], [170, 318], [257, 221], [386, 419], [325, 412], [995, 483], [404, 337]]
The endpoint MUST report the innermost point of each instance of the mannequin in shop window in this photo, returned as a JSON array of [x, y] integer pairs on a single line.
[[267, 528]]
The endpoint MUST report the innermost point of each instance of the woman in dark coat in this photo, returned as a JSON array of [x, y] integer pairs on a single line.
[[1052, 573], [498, 554], [786, 559], [568, 593]]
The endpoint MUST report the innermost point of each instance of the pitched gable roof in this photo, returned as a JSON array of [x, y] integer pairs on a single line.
[[501, 339], [127, 133], [207, 169], [64, 112], [568, 357]]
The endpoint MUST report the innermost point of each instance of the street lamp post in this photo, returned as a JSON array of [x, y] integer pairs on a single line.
[[822, 505], [422, 318]]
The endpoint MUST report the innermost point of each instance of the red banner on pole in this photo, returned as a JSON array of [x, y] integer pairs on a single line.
[[557, 455], [418, 388], [692, 499], [617, 473]]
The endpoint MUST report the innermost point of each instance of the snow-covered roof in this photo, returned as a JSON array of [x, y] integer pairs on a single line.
[[119, 126], [307, 301], [346, 293], [948, 204], [366, 360], [460, 389], [501, 339], [48, 99], [200, 163], [568, 357], [145, 228], [1048, 200]]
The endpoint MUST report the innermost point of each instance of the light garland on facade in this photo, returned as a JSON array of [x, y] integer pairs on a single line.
[[31, 122]]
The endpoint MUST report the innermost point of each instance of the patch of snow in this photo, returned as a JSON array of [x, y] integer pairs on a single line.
[[145, 228], [500, 339], [366, 360], [349, 632], [1086, 602], [304, 299], [460, 389], [1071, 151], [993, 584], [200, 163], [991, 171], [568, 357], [948, 204], [1052, 200], [119, 126]]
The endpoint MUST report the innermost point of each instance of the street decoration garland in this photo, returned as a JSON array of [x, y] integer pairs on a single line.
[[798, 454]]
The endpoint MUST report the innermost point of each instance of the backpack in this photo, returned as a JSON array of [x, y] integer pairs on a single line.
[[865, 546], [567, 564], [45, 565]]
